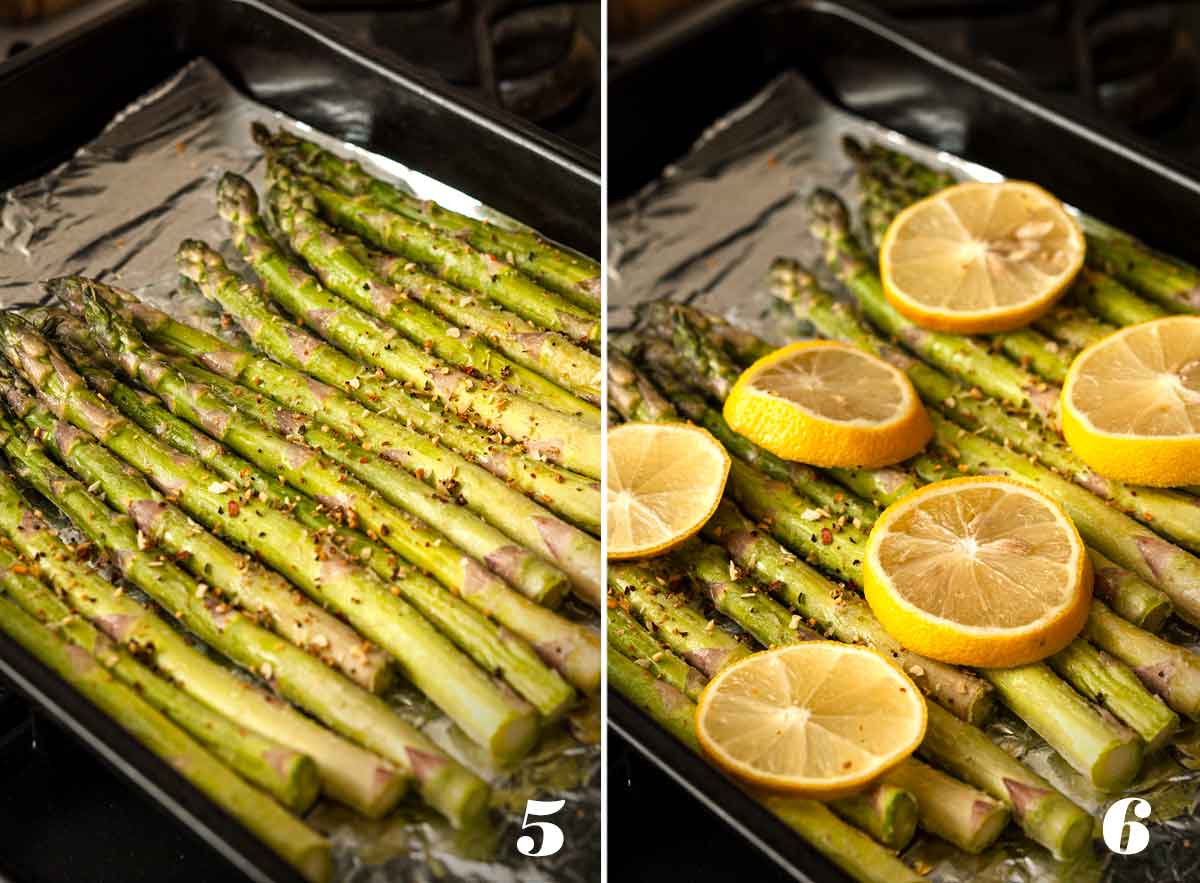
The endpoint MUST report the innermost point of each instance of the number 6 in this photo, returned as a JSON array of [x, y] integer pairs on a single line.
[[552, 835], [1115, 822]]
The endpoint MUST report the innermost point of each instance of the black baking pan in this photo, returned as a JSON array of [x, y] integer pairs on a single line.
[[56, 98], [666, 88]]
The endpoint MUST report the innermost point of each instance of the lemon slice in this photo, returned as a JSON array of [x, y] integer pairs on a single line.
[[977, 258], [828, 404], [1131, 403], [978, 571], [819, 719], [664, 481]]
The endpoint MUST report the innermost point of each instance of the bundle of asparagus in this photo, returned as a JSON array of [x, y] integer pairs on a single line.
[[782, 554], [414, 492]]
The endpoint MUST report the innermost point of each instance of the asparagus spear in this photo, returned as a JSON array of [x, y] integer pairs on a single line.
[[428, 660], [284, 773], [629, 393], [570, 648], [341, 272], [566, 272], [639, 587], [303, 848], [1172, 285], [260, 592], [548, 353], [349, 774], [626, 636], [455, 262], [552, 434], [531, 525], [1110, 684], [739, 344], [573, 496], [358, 714], [952, 810], [1041, 812], [842, 614], [1074, 328], [1131, 597], [1107, 298], [955, 354], [307, 472], [1172, 513], [1167, 670], [1111, 533], [854, 852], [478, 637]]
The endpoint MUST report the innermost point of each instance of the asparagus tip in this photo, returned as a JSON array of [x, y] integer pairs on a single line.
[[236, 200]]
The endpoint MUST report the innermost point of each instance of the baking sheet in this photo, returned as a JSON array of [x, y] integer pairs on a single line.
[[705, 232], [117, 211]]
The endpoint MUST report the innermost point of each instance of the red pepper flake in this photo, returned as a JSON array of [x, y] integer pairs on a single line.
[[826, 536], [234, 509]]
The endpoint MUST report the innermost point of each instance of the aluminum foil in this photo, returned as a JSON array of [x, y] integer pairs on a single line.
[[117, 211], [705, 232]]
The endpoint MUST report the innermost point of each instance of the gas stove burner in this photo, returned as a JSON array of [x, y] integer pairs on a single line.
[[533, 57], [1136, 65], [535, 60]]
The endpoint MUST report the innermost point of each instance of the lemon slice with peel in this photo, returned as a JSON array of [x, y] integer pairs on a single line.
[[828, 404], [978, 258], [978, 571], [664, 481], [818, 719], [1131, 403]]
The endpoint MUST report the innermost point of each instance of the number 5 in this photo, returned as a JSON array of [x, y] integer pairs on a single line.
[[552, 835], [1115, 823]]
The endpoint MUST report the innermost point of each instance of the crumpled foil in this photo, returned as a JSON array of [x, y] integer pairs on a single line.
[[117, 212], [705, 232]]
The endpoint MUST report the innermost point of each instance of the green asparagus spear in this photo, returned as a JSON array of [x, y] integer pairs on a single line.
[[349, 774], [1166, 669], [568, 273], [260, 592], [1170, 512], [1074, 328], [548, 353], [307, 472], [284, 773], [1172, 285], [552, 434], [626, 636], [341, 272], [298, 676], [630, 395], [1131, 597], [952, 810], [483, 492], [840, 613], [855, 853], [1110, 684], [1107, 298], [428, 660], [455, 261], [303, 848], [643, 589], [571, 649], [1042, 812]]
